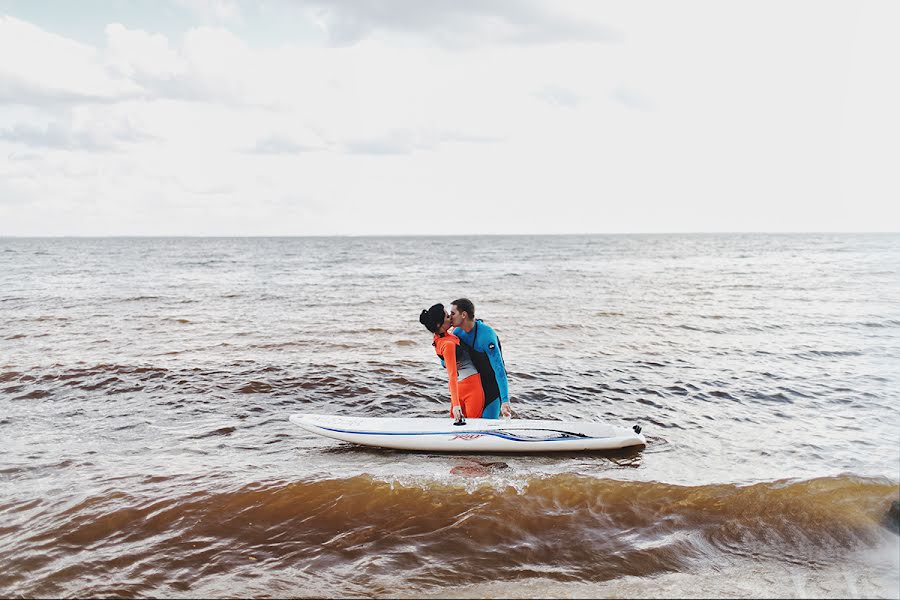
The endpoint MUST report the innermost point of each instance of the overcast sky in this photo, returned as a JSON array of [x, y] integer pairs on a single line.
[[322, 117]]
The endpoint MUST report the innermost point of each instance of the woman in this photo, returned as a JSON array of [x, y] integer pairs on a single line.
[[466, 394]]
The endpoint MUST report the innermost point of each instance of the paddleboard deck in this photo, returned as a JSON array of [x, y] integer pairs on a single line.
[[476, 435]]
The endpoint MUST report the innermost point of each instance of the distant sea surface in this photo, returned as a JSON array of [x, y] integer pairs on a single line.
[[146, 385]]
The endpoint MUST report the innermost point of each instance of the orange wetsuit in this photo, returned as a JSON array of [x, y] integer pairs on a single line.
[[465, 382]]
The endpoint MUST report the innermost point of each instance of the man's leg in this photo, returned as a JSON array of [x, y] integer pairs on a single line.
[[491, 409]]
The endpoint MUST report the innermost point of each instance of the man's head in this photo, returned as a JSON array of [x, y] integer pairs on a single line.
[[461, 310]]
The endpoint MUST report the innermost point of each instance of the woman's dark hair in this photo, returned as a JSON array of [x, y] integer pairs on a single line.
[[433, 317]]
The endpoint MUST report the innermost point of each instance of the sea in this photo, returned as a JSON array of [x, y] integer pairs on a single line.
[[146, 386]]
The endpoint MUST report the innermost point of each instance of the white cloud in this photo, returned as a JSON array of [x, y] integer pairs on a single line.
[[84, 128], [277, 144], [512, 111], [211, 65], [54, 135], [631, 98], [142, 56], [219, 60], [400, 141], [457, 23], [37, 67], [558, 96]]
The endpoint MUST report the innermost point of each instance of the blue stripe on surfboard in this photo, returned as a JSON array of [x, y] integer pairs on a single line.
[[498, 434]]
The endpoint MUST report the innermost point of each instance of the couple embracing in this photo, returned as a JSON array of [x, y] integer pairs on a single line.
[[470, 351]]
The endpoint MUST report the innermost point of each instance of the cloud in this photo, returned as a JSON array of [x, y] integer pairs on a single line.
[[558, 96], [212, 65], [20, 91], [280, 145], [23, 156], [96, 135], [395, 143], [631, 98], [56, 136], [515, 106], [457, 23], [404, 141], [142, 56], [38, 67]]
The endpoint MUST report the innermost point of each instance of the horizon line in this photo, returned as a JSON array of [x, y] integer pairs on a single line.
[[429, 235]]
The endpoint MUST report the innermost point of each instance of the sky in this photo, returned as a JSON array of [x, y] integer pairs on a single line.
[[405, 117]]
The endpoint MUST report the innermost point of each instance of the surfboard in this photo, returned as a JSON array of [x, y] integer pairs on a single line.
[[476, 435]]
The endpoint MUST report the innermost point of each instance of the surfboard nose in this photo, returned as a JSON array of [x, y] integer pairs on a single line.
[[305, 423]]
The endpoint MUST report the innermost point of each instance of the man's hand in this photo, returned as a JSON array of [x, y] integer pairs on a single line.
[[457, 412], [505, 410]]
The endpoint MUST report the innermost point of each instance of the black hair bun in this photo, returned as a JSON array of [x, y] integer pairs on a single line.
[[433, 317]]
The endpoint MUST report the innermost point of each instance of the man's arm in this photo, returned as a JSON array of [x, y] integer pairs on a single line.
[[496, 358]]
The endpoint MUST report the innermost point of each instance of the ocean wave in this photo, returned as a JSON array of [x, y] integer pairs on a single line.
[[587, 529]]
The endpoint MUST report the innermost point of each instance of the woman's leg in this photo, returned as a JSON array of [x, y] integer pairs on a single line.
[[471, 396]]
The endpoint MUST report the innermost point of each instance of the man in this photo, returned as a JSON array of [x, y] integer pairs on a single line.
[[484, 348]]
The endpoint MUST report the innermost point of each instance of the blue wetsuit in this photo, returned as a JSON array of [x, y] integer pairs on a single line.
[[485, 352]]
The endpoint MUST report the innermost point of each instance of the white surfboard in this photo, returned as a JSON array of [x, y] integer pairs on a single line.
[[476, 435]]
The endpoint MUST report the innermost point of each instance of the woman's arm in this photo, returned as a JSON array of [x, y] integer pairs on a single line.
[[448, 353]]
